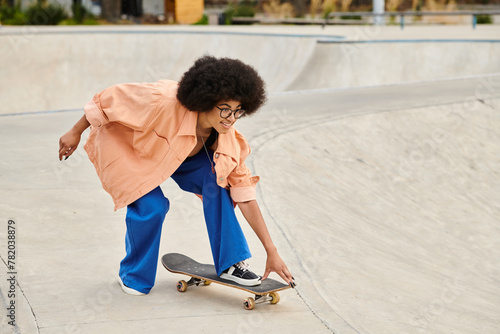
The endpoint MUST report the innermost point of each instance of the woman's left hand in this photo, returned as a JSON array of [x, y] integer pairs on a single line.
[[251, 211], [276, 264]]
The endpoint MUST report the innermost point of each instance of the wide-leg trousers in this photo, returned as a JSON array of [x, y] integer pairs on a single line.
[[145, 218]]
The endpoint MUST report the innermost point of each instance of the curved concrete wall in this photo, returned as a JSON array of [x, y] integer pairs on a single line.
[[64, 70], [341, 65], [54, 69]]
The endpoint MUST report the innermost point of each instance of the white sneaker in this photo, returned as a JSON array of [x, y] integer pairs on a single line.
[[241, 274], [128, 290]]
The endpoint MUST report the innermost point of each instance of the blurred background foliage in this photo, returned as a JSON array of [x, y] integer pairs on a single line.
[[46, 12]]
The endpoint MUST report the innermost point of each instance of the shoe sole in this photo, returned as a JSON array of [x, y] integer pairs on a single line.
[[128, 290]]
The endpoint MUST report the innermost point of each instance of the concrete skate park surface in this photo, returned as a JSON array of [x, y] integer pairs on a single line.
[[378, 156]]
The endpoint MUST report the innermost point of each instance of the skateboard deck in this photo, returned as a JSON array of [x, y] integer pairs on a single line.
[[205, 274]]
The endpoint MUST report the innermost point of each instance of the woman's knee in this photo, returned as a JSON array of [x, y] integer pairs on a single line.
[[155, 204], [162, 206]]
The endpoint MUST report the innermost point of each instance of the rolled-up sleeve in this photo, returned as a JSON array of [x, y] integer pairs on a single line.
[[245, 191], [242, 185], [132, 105]]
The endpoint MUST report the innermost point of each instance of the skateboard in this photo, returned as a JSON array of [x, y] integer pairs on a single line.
[[205, 274]]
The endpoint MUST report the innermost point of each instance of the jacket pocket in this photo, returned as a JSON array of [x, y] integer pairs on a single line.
[[154, 147]]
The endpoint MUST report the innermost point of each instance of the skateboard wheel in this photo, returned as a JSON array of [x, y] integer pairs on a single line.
[[275, 297], [207, 282], [249, 303], [182, 286]]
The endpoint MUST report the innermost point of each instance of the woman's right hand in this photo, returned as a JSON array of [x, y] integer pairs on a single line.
[[68, 143]]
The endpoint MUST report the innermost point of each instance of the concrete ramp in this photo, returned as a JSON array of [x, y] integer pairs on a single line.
[[71, 65], [383, 200], [391, 216], [344, 64]]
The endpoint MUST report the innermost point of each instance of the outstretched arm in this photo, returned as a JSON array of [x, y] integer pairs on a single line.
[[253, 215], [133, 105], [69, 141]]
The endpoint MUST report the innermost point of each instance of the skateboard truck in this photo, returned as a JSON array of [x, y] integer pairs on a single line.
[[182, 285], [250, 302]]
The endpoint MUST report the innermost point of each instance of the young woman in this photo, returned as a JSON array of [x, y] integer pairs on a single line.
[[142, 134]]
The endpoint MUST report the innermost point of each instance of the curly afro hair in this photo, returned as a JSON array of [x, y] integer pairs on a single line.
[[210, 81]]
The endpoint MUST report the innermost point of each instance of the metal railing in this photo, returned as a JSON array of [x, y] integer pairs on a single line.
[[474, 14], [326, 21]]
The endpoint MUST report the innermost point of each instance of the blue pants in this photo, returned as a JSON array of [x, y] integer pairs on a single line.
[[145, 219]]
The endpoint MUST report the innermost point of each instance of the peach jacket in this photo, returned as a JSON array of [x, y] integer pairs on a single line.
[[140, 134]]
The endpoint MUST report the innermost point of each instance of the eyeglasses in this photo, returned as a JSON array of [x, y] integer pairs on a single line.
[[226, 112]]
